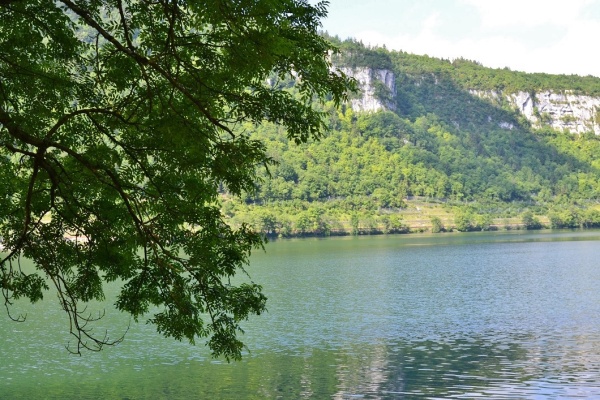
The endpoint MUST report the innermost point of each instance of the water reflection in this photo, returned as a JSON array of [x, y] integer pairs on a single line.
[[515, 368], [474, 367], [460, 316]]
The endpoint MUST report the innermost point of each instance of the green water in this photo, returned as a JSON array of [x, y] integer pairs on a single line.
[[491, 315]]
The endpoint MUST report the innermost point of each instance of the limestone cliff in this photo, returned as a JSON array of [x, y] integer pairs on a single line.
[[559, 110], [377, 89]]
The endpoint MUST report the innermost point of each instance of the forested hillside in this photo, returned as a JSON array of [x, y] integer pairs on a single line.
[[442, 159]]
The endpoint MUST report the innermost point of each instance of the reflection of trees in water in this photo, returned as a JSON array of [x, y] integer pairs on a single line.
[[455, 366], [566, 358], [429, 368], [365, 372], [510, 365], [388, 371]]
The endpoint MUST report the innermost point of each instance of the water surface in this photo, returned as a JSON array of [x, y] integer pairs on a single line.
[[495, 315]]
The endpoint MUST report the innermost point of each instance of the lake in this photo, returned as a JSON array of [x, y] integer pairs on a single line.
[[505, 315]]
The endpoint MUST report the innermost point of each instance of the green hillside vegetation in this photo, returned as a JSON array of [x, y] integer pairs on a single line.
[[440, 162]]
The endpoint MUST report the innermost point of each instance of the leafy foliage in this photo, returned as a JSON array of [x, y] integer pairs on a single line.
[[119, 122], [354, 54]]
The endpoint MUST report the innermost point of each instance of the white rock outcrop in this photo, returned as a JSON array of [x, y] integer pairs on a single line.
[[368, 99], [560, 110]]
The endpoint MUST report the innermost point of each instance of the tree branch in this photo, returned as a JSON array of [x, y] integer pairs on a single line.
[[144, 61]]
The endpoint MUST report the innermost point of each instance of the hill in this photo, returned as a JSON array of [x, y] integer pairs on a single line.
[[430, 144]]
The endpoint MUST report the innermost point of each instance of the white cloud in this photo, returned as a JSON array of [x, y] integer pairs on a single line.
[[576, 52], [496, 45], [530, 12]]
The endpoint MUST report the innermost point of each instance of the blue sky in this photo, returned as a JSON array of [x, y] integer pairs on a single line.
[[550, 36]]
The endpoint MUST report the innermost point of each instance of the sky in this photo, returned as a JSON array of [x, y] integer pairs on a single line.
[[552, 36]]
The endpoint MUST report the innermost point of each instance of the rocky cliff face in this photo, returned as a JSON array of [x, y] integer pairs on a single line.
[[559, 110], [377, 89], [562, 111]]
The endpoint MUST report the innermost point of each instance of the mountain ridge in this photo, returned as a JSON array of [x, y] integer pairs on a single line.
[[455, 151], [561, 109]]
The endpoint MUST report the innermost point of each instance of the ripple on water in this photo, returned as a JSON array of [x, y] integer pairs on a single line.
[[368, 318]]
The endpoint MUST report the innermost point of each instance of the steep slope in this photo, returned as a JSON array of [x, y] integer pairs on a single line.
[[488, 144], [569, 103]]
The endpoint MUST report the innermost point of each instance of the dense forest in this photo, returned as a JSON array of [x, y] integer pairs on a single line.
[[439, 162]]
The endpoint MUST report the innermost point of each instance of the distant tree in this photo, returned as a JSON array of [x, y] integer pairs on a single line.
[[462, 221], [354, 223], [118, 125], [436, 225], [481, 222], [530, 221]]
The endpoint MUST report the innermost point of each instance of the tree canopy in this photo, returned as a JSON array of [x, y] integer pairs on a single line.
[[441, 143], [120, 120]]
